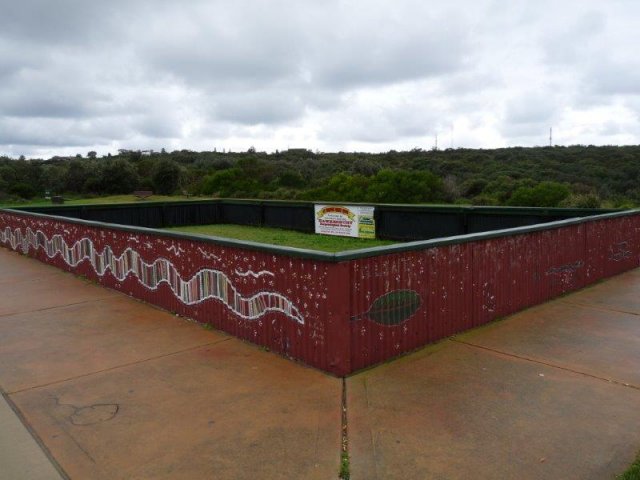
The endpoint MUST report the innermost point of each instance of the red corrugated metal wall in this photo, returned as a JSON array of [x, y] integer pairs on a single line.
[[296, 307], [467, 285], [512, 273], [339, 317], [612, 246], [437, 281]]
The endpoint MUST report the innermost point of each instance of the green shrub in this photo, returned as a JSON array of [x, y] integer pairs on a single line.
[[545, 194], [23, 190]]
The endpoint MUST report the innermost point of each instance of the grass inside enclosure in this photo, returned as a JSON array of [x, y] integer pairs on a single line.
[[289, 238]]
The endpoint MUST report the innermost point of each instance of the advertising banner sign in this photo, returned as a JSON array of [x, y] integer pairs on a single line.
[[345, 221]]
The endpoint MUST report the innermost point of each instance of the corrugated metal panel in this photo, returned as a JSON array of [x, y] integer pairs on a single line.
[[613, 246], [335, 322], [506, 277], [563, 261], [462, 286], [336, 316], [289, 305], [400, 302], [513, 273]]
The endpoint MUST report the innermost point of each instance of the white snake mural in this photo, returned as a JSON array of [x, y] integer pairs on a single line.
[[204, 284]]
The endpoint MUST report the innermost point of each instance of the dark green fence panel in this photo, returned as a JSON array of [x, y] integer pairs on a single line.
[[176, 215], [394, 222], [292, 217], [241, 213], [477, 222]]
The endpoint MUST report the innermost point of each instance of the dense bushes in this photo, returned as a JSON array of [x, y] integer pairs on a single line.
[[23, 190], [544, 194], [578, 176], [165, 176], [386, 186]]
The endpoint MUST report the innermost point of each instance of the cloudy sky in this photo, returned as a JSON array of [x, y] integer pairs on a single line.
[[370, 75]]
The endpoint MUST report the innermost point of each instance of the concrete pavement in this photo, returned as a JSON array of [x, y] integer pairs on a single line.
[[117, 389], [550, 393], [20, 454], [114, 388]]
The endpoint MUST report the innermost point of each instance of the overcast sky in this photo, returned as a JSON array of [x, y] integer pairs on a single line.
[[329, 75]]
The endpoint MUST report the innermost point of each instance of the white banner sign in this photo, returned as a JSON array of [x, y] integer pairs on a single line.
[[345, 221]]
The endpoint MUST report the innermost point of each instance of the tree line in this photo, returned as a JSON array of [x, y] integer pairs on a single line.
[[575, 176]]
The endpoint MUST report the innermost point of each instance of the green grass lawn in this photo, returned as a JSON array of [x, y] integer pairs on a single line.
[[289, 238], [103, 200]]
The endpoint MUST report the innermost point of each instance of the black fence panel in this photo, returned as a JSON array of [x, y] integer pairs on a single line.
[[73, 212], [181, 215], [393, 222], [292, 217], [150, 216], [485, 222], [241, 213], [417, 224]]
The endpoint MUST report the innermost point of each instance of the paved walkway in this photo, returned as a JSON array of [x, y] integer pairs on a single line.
[[20, 454], [117, 389]]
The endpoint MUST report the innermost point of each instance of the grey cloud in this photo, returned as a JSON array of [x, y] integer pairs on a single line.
[[388, 54], [62, 132], [15, 134], [531, 109], [43, 107], [15, 58], [261, 107], [373, 124], [470, 83], [313, 58], [46, 102], [82, 73], [615, 78], [374, 130], [528, 118], [575, 42], [65, 22], [156, 126], [59, 91], [211, 62], [525, 133], [214, 44], [612, 128]]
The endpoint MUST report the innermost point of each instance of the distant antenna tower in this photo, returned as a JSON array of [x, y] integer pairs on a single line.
[[451, 137], [551, 137], [436, 146]]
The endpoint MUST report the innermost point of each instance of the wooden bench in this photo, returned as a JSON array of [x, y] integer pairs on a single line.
[[142, 194]]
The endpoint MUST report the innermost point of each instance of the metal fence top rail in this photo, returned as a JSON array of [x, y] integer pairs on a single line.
[[349, 254]]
